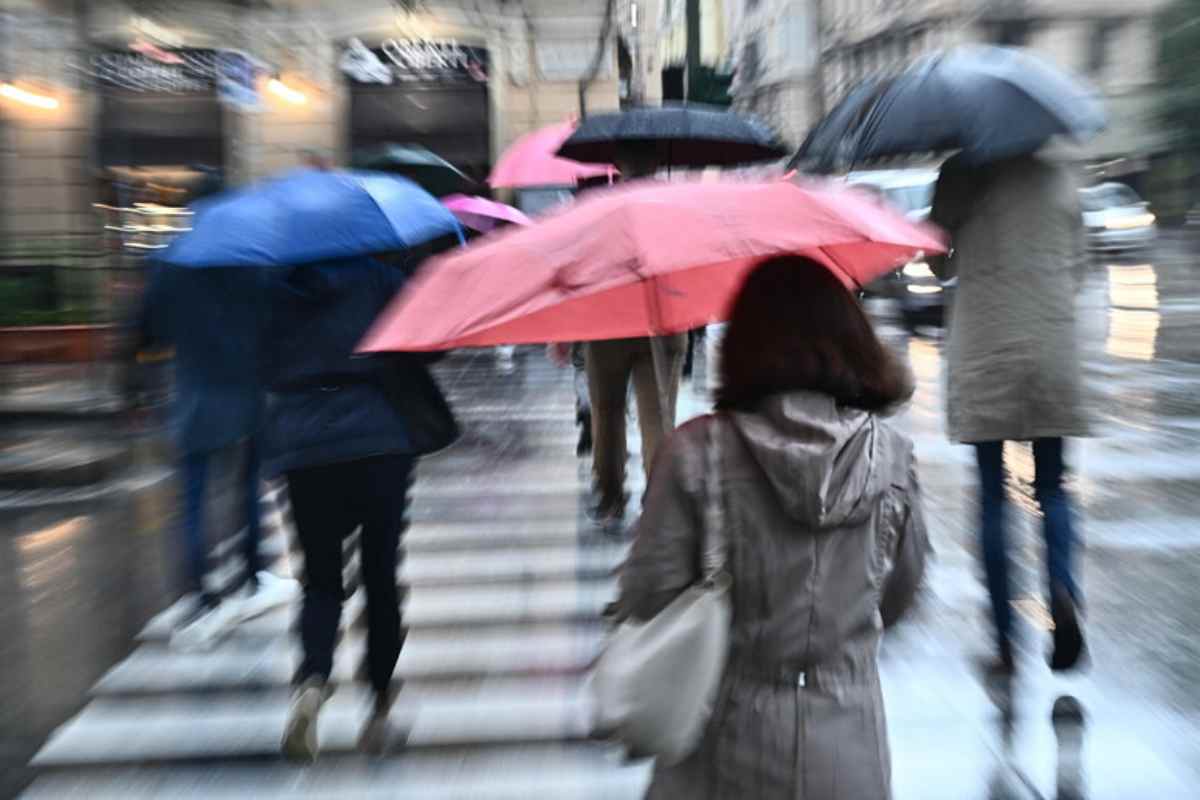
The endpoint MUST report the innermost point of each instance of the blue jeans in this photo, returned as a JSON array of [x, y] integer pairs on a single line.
[[195, 543], [1056, 522]]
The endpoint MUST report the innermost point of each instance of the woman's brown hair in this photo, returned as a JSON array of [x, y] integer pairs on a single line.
[[795, 327]]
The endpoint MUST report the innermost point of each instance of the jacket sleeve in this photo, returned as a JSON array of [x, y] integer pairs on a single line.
[[950, 206], [665, 557], [912, 549], [1081, 260]]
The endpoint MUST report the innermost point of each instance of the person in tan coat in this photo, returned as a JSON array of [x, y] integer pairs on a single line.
[[612, 365], [826, 536], [1013, 367]]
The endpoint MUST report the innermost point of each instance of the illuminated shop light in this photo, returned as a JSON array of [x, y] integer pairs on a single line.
[[287, 93], [26, 97]]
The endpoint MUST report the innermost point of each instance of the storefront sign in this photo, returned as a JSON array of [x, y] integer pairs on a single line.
[[177, 71], [400, 60]]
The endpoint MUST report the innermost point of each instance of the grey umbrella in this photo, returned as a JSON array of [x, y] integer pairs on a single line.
[[419, 164], [988, 102], [691, 135]]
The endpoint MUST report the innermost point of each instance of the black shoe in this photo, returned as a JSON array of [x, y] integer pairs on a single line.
[[607, 512], [1068, 636], [584, 421]]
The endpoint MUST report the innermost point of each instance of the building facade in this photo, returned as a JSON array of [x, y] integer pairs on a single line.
[[246, 89], [1111, 43], [777, 65], [795, 60]]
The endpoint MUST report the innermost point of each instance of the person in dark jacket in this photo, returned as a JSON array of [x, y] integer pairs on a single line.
[[211, 319], [345, 431]]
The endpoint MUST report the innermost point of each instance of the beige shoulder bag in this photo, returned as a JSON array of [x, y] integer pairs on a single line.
[[654, 686]]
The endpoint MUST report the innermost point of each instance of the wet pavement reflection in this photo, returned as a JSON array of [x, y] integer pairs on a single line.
[[507, 579]]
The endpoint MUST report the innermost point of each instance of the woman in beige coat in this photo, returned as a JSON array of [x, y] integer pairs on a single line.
[[827, 544], [1013, 366]]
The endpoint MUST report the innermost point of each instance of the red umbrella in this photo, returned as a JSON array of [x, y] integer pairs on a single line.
[[531, 161], [647, 258]]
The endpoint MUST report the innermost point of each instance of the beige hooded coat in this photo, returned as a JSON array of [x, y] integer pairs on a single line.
[[827, 541], [1013, 366]]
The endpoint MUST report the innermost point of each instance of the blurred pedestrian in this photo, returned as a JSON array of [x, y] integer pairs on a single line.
[[1014, 371], [211, 319], [611, 364], [346, 433], [315, 159], [827, 543]]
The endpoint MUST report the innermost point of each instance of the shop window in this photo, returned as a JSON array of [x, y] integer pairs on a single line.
[[1100, 45], [1010, 32]]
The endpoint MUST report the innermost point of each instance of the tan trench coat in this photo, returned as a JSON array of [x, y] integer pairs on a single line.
[[827, 540], [1012, 354]]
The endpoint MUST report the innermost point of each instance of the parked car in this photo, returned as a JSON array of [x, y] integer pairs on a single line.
[[1117, 219], [921, 296]]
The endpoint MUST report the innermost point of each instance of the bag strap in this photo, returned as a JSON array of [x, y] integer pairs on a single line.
[[715, 546]]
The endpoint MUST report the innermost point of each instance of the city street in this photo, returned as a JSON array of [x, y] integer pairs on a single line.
[[507, 580]]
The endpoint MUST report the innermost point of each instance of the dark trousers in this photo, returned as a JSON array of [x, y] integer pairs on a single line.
[[195, 543], [328, 503], [1056, 522]]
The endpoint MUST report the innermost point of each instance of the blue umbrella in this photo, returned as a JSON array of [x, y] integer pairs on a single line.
[[308, 216], [988, 102]]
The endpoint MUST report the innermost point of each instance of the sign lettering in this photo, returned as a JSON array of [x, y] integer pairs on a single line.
[[413, 60]]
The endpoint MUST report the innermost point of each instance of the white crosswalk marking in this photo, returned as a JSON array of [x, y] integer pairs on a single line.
[[506, 581]]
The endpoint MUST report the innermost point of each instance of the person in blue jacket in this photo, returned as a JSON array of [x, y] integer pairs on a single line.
[[211, 318], [345, 431]]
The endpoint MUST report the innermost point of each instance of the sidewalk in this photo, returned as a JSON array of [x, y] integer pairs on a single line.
[[59, 390], [507, 582]]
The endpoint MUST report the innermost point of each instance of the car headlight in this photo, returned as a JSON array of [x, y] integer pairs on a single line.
[[1128, 223], [917, 269]]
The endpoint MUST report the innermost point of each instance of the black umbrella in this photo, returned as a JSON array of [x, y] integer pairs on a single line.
[[432, 172], [691, 135], [989, 102]]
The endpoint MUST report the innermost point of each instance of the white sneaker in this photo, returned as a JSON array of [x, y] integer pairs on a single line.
[[203, 632], [271, 592], [300, 734]]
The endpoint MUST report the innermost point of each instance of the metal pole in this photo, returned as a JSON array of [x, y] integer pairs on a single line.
[[692, 64]]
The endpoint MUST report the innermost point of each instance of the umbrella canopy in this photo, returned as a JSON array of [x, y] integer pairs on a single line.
[[425, 167], [648, 258], [307, 216], [481, 214], [989, 102], [692, 135], [531, 161]]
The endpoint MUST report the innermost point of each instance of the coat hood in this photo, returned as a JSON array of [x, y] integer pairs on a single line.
[[821, 460]]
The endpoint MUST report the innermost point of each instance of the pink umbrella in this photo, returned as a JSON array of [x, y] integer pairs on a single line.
[[647, 258], [530, 161], [481, 214]]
